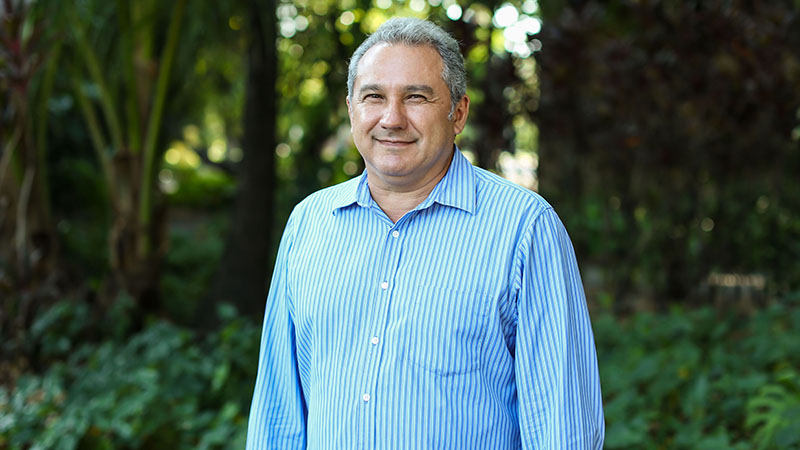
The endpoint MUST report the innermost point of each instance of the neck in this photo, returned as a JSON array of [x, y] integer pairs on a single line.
[[396, 199]]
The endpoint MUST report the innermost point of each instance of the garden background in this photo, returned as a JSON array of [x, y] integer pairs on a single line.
[[150, 153]]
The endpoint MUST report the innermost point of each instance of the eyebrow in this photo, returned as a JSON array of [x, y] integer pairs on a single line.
[[369, 88], [410, 88], [420, 88]]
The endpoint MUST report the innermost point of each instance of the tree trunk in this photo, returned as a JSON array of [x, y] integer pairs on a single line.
[[242, 275]]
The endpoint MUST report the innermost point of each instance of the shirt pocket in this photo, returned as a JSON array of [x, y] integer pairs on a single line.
[[446, 329]]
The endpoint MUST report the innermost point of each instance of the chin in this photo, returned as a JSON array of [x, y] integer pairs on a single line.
[[392, 166], [393, 172]]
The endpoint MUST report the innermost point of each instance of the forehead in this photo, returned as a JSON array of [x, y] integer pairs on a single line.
[[400, 64]]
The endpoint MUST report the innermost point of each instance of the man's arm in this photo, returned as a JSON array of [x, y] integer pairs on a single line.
[[278, 411], [558, 387]]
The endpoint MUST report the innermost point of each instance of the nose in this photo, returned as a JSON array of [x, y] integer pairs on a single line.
[[394, 116]]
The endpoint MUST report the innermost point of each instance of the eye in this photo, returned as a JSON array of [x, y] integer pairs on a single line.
[[372, 97], [417, 97]]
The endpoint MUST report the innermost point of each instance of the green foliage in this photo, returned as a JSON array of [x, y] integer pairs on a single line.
[[193, 256], [700, 378], [201, 187], [163, 388], [774, 414], [670, 129], [687, 379]]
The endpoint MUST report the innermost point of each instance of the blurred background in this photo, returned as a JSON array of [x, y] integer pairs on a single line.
[[150, 153]]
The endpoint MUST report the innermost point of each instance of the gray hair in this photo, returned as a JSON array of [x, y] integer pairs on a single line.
[[415, 32]]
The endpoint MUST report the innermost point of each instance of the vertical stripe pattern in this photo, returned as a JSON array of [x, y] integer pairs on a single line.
[[462, 326]]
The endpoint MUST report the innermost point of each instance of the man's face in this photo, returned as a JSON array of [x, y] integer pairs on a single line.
[[399, 115]]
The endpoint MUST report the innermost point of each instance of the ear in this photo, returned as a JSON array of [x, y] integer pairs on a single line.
[[460, 115], [349, 111]]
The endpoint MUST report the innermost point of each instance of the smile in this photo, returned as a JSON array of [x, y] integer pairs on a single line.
[[394, 142]]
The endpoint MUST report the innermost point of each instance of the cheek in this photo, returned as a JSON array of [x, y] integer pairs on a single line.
[[362, 120], [434, 123]]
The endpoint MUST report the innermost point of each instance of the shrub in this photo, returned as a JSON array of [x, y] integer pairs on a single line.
[[164, 388], [700, 378], [686, 379]]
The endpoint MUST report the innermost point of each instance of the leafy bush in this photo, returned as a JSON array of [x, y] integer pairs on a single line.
[[701, 379], [164, 388], [774, 413], [698, 379], [648, 117], [201, 187], [190, 265]]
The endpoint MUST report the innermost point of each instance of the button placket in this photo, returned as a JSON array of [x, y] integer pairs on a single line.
[[385, 267], [393, 252], [389, 265]]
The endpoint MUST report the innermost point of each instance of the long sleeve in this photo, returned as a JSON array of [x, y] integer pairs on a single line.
[[278, 411], [558, 386]]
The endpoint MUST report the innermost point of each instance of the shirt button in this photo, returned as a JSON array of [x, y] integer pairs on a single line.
[[385, 285], [374, 340], [395, 233], [365, 397]]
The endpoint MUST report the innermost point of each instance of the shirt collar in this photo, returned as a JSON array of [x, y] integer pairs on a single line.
[[455, 189], [351, 192]]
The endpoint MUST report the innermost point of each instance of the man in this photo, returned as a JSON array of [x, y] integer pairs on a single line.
[[426, 304]]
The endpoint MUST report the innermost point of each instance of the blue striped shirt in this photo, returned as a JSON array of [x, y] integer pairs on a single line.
[[462, 326]]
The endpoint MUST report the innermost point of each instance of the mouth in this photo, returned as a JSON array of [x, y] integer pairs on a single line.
[[391, 142]]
